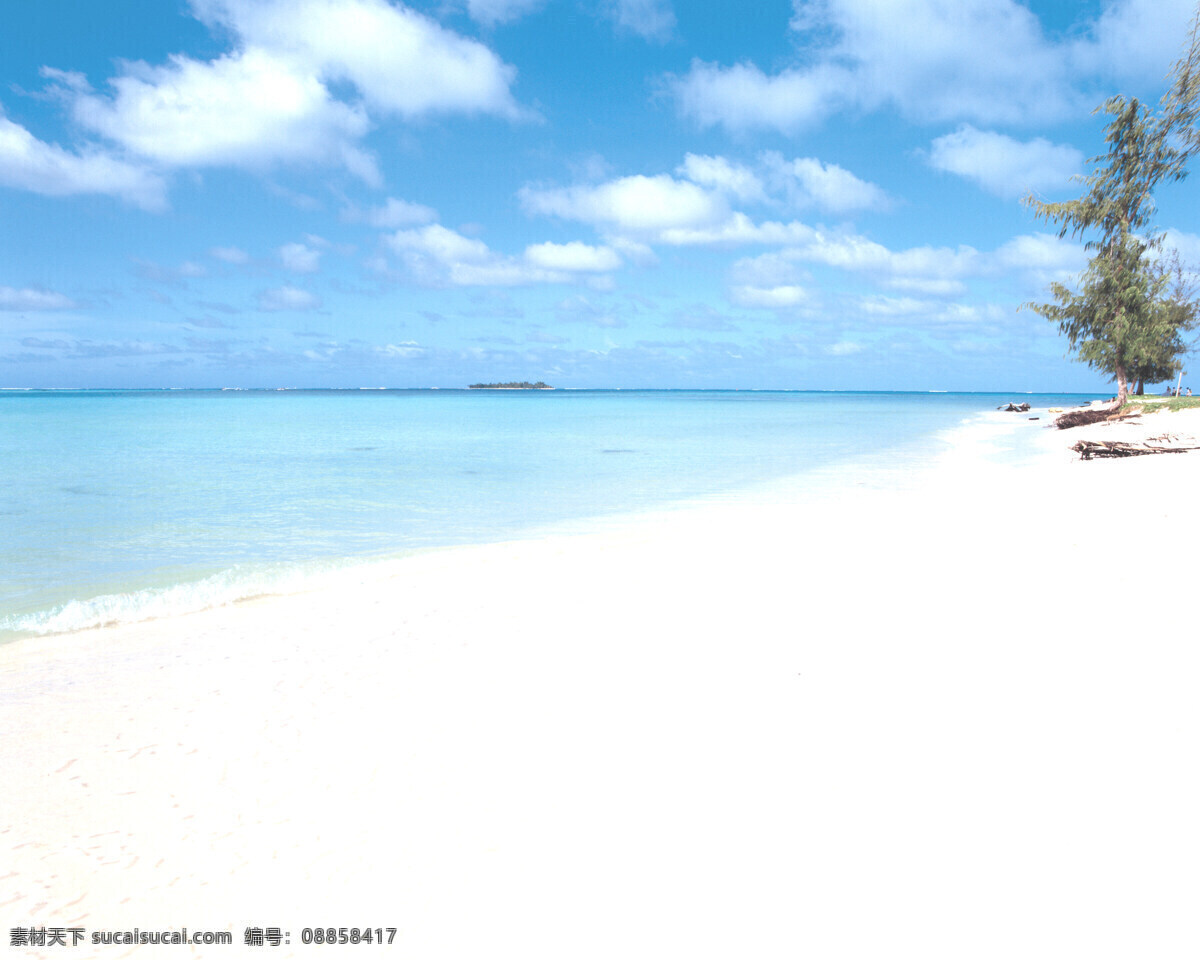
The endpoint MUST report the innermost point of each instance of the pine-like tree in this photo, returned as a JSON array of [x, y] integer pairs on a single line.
[[1159, 356], [1111, 323]]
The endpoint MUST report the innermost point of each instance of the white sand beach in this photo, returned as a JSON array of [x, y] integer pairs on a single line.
[[946, 715]]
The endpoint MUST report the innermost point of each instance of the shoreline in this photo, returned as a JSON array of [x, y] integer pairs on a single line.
[[913, 710], [247, 579]]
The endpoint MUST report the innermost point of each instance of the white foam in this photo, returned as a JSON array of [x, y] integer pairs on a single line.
[[240, 582]]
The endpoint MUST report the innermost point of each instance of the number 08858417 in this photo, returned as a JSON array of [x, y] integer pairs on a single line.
[[378, 935]]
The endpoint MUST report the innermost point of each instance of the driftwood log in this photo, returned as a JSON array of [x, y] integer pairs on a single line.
[[1080, 418], [1118, 448]]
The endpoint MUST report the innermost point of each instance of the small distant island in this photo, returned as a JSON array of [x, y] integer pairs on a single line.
[[514, 385]]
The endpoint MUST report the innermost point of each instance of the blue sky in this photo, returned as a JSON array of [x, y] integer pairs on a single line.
[[822, 194]]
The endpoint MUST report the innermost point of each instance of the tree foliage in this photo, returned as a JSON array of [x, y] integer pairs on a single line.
[[1131, 311], [1115, 322], [1160, 354]]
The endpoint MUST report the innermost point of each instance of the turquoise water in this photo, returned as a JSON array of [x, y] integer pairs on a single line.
[[125, 504]]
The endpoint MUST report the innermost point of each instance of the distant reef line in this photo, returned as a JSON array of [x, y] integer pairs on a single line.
[[514, 385]]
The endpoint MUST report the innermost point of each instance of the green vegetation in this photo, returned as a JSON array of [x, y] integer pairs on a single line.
[[512, 385], [1157, 404], [1132, 309], [1174, 313]]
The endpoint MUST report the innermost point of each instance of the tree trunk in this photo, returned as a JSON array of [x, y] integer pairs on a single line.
[[1122, 386], [1140, 385]]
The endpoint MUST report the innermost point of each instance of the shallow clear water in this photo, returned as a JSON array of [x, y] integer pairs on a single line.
[[121, 504]]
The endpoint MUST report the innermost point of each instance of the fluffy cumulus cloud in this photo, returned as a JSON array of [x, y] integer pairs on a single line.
[[28, 163], [737, 230], [880, 309], [438, 256], [652, 19], [696, 206], [937, 271], [1005, 166], [1133, 38], [786, 295], [806, 181], [981, 61], [405, 350], [288, 298], [940, 272], [271, 100], [573, 256], [392, 213], [1039, 259], [252, 108], [399, 60], [29, 298], [631, 205], [1043, 250], [742, 97], [1187, 245], [718, 173], [491, 12], [299, 258]]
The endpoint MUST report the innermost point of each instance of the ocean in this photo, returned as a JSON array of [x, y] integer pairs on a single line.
[[121, 505]]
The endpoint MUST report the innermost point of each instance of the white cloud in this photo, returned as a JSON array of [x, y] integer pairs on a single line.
[[230, 254], [773, 269], [634, 251], [926, 270], [771, 297], [1004, 166], [29, 298], [405, 350], [400, 60], [30, 164], [491, 12], [501, 272], [905, 310], [807, 181], [631, 205], [843, 348], [697, 210], [437, 256], [918, 272], [268, 101], [393, 213], [1134, 38], [299, 258], [288, 298], [737, 230], [877, 305], [1187, 244], [938, 271], [571, 257], [440, 243], [1044, 252], [720, 174], [742, 97], [652, 19], [984, 61], [252, 108]]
